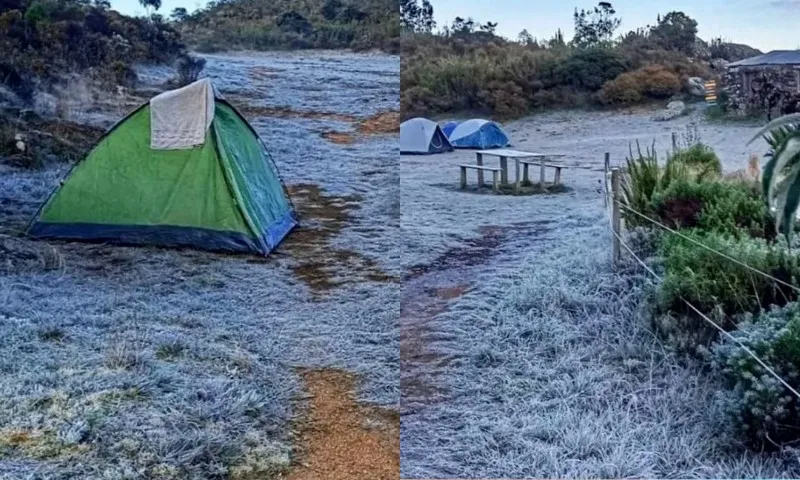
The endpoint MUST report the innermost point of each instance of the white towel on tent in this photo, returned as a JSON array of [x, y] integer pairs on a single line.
[[180, 118]]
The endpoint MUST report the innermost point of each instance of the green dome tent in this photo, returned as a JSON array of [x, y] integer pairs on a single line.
[[185, 169]]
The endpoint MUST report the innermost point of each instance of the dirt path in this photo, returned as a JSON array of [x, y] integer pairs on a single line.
[[343, 439]]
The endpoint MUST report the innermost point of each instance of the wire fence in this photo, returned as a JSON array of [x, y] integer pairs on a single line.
[[614, 204]]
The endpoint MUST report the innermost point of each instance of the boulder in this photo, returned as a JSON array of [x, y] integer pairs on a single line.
[[696, 86], [719, 64], [673, 110]]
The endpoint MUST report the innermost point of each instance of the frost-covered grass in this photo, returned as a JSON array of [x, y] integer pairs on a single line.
[[550, 372], [137, 362]]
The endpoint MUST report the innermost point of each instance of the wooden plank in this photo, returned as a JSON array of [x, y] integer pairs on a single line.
[[477, 167], [541, 173], [463, 177], [504, 170], [480, 172], [615, 214]]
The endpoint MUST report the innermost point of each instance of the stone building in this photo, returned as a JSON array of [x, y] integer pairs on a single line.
[[774, 76]]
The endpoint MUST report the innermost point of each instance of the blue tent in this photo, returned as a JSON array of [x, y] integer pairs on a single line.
[[478, 133], [448, 128]]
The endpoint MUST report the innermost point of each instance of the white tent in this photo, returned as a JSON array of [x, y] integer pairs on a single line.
[[422, 136]]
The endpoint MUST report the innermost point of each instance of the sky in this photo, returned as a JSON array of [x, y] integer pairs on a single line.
[[763, 24]]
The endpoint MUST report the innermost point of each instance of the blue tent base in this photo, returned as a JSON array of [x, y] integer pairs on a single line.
[[167, 236]]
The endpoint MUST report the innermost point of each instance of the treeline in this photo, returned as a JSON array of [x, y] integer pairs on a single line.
[[465, 66], [292, 24], [41, 39]]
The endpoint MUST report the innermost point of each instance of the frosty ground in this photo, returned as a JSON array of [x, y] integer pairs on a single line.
[[521, 354], [133, 362]]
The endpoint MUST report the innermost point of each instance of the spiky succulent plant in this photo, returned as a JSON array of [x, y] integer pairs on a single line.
[[781, 176]]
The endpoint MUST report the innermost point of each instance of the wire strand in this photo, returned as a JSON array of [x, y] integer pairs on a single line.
[[700, 244], [706, 318]]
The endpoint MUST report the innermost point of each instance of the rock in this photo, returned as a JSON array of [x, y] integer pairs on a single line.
[[719, 64], [673, 110], [696, 86]]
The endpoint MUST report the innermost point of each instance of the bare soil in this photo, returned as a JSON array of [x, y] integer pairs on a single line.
[[343, 439]]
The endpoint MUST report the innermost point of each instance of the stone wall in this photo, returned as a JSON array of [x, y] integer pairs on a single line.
[[741, 101]]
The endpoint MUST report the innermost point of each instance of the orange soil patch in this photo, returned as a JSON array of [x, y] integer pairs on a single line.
[[340, 138], [318, 264], [286, 112], [345, 440], [380, 124]]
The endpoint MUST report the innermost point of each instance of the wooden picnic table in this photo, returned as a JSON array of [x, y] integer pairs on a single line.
[[520, 158]]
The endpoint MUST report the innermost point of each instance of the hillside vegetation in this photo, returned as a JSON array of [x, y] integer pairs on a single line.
[[465, 66], [292, 24], [41, 40]]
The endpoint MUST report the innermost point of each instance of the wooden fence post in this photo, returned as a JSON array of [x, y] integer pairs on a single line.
[[674, 142], [606, 168], [616, 217]]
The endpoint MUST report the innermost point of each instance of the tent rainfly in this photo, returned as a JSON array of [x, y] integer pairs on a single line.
[[448, 128], [477, 133], [423, 136], [185, 169]]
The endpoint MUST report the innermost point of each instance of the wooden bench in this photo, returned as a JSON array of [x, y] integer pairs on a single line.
[[540, 163], [480, 169]]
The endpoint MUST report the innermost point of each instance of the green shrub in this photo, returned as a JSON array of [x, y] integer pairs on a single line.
[[643, 180], [717, 286], [701, 159], [758, 405], [733, 208]]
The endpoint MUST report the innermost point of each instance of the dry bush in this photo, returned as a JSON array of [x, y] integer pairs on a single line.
[[651, 82]]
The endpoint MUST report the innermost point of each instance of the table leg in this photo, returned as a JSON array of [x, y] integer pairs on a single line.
[[495, 186], [525, 173], [463, 178], [480, 172], [541, 173], [517, 178], [558, 176], [504, 170]]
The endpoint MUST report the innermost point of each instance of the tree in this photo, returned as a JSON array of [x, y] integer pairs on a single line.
[[416, 17], [463, 26], [595, 26], [488, 27], [179, 14], [294, 22], [525, 38], [676, 31], [557, 41], [331, 9], [150, 6]]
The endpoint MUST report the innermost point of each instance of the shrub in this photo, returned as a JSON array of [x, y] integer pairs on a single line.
[[700, 159], [623, 90], [717, 286], [643, 180], [654, 82], [758, 405], [189, 68], [731, 208]]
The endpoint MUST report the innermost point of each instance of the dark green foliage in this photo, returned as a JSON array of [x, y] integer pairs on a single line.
[[595, 26], [700, 159], [43, 38], [676, 31], [731, 208], [509, 79], [759, 406], [589, 69], [287, 24], [717, 286]]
